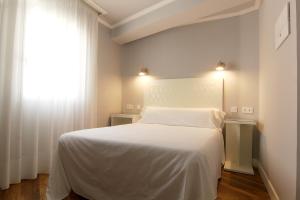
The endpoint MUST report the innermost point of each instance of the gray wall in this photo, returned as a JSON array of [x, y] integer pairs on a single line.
[[194, 50], [109, 80], [278, 101]]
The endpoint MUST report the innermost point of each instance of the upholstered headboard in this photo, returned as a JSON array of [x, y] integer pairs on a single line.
[[187, 92]]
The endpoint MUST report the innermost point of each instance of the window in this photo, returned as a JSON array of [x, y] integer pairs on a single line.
[[52, 48]]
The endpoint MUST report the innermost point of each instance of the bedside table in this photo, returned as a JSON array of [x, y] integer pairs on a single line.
[[239, 134], [119, 119]]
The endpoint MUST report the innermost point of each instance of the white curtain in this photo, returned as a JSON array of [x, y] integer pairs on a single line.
[[48, 62]]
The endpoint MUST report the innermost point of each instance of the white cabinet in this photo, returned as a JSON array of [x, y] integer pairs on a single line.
[[119, 119], [239, 135]]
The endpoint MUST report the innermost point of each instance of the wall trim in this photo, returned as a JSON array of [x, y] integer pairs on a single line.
[[270, 188], [143, 12], [234, 14], [103, 22], [132, 17], [161, 4]]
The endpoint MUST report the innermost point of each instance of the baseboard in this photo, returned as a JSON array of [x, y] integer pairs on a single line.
[[270, 188]]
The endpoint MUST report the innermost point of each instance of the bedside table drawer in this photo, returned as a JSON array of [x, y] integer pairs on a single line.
[[120, 119]]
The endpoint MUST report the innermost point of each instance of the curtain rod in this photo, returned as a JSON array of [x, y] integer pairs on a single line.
[[100, 12]]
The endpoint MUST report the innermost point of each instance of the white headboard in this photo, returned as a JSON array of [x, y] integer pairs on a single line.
[[187, 92]]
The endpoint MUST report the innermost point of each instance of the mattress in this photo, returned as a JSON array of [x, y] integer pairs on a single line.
[[138, 162]]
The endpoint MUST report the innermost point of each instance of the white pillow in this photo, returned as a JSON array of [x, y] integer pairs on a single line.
[[195, 117]]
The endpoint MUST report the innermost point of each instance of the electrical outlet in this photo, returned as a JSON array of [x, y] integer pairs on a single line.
[[250, 110], [247, 110]]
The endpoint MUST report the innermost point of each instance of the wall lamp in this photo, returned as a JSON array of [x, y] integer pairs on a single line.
[[220, 66], [143, 72]]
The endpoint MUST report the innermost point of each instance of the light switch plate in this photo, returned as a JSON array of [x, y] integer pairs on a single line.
[[283, 26]]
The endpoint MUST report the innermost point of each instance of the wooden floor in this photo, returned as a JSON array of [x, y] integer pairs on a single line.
[[232, 186], [236, 186]]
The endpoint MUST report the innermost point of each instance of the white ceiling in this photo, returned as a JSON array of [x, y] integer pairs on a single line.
[[130, 20], [118, 10]]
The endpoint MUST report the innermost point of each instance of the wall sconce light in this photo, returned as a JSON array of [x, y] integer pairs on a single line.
[[220, 66], [143, 72]]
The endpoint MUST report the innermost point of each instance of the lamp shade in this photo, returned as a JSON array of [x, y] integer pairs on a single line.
[[220, 66], [143, 72]]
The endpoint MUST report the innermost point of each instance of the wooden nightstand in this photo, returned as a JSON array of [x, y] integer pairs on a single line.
[[239, 134], [119, 119]]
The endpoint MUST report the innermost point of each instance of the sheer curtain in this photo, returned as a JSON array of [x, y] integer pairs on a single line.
[[48, 63]]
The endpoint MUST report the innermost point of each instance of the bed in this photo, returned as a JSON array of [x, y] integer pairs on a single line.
[[172, 153]]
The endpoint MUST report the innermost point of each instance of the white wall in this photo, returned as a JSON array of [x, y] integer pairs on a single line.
[[109, 83], [194, 50], [278, 101]]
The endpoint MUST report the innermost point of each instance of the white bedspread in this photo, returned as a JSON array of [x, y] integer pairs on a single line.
[[138, 162]]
